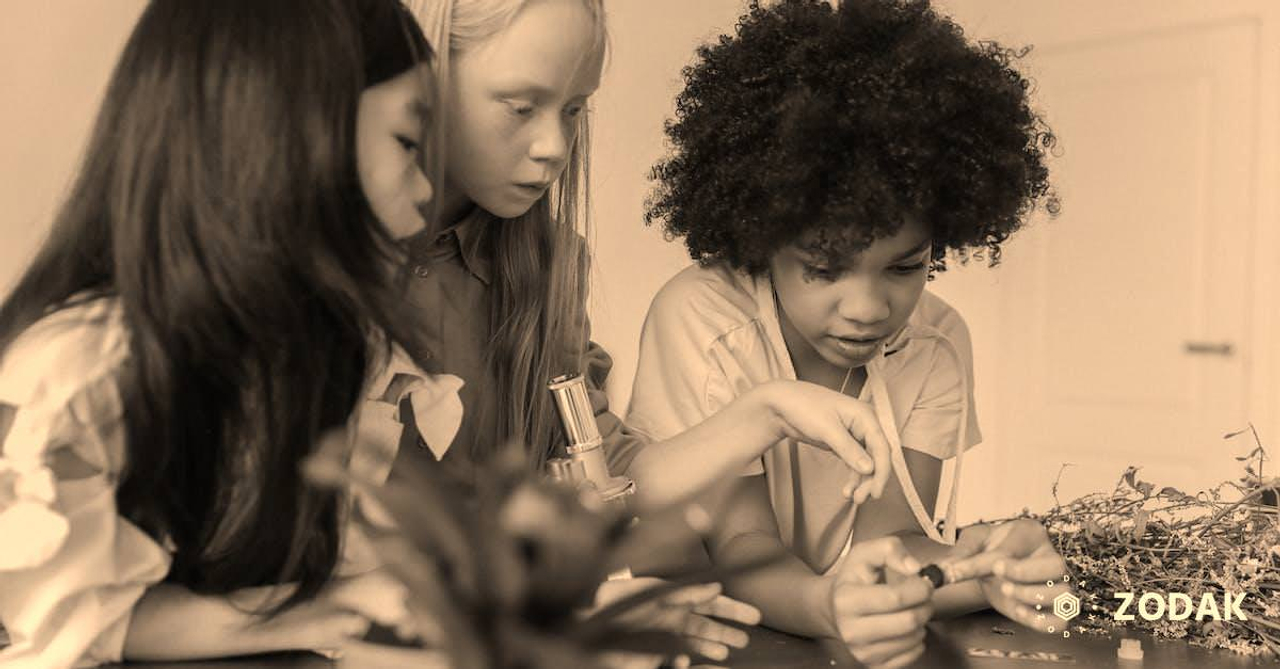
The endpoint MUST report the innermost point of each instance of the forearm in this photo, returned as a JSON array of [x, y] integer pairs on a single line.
[[172, 623], [674, 470], [791, 598], [952, 600]]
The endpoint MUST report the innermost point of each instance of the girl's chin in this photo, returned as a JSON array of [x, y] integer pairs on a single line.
[[507, 207]]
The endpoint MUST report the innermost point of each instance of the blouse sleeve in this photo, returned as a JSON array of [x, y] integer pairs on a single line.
[[677, 383], [71, 569], [620, 443], [933, 425]]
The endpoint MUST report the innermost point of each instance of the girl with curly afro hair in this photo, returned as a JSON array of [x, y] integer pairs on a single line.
[[825, 161]]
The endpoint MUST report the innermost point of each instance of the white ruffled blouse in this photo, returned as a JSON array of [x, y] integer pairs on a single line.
[[71, 568]]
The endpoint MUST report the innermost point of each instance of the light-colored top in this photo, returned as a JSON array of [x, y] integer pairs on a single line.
[[71, 568], [713, 333]]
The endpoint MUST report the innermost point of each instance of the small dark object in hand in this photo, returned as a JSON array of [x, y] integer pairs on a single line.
[[1002, 630], [934, 574]]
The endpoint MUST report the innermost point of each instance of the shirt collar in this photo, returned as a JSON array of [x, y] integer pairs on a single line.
[[471, 242], [464, 239]]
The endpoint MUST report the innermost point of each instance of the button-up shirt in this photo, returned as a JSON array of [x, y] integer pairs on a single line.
[[449, 286]]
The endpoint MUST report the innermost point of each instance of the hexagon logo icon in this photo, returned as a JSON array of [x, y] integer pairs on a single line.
[[1066, 606]]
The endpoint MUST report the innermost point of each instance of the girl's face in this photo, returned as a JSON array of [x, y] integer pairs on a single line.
[[842, 314], [389, 126], [515, 105]]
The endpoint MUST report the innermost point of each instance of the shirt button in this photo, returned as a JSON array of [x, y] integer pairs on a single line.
[[421, 271]]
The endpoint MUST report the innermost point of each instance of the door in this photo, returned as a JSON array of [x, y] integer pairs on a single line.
[[1118, 334]]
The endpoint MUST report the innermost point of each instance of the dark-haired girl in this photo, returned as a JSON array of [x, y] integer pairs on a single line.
[[215, 293], [827, 159]]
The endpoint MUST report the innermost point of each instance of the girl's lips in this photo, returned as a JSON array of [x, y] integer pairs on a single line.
[[532, 189], [857, 348], [859, 340]]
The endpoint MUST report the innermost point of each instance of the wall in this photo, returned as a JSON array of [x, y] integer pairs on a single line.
[[650, 42], [55, 58]]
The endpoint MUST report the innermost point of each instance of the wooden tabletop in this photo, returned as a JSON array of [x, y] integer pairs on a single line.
[[949, 645]]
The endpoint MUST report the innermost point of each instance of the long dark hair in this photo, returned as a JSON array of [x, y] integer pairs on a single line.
[[219, 202]]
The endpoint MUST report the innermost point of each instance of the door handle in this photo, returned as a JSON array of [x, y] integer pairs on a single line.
[[1221, 348]]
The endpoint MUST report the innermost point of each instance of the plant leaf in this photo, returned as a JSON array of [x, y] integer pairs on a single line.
[[1140, 518]]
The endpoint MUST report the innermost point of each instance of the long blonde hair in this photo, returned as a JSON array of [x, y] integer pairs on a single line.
[[538, 317]]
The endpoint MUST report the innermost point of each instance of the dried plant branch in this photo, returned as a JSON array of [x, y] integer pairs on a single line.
[[1140, 539]]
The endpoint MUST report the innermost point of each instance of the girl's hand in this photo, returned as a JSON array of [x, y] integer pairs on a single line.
[[1015, 562], [881, 620], [375, 595], [689, 611], [822, 417], [345, 610], [312, 626]]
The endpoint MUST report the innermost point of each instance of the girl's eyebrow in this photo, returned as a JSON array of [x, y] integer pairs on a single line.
[[419, 109], [520, 87], [915, 250], [536, 90]]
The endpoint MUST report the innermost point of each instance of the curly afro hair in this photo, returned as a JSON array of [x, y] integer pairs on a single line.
[[839, 124]]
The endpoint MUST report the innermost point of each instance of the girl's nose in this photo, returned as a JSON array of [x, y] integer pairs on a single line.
[[861, 301], [551, 142]]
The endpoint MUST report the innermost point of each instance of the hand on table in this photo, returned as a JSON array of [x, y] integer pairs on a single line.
[[689, 611], [1015, 562], [879, 605], [347, 607]]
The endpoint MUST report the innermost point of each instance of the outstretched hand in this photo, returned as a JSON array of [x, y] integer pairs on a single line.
[[1019, 570], [845, 425], [694, 612]]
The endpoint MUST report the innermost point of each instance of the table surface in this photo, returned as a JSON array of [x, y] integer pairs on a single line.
[[948, 645]]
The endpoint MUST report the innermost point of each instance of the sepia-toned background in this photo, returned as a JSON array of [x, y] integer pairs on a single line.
[[1134, 329]]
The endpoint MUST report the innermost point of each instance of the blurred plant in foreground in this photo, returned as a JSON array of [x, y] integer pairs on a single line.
[[502, 574]]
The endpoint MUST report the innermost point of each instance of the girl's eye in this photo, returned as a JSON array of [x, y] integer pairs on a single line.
[[907, 269], [812, 272], [520, 108], [407, 144], [574, 111]]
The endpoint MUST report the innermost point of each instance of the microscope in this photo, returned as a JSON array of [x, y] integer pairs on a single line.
[[584, 466]]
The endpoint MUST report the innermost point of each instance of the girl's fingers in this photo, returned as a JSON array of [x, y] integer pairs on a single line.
[[376, 595], [1028, 616], [874, 600], [880, 652], [1032, 595], [710, 649], [728, 608], [872, 629], [690, 596], [885, 552], [336, 630], [904, 659], [1035, 569], [862, 423], [619, 660], [706, 629], [971, 542], [977, 566]]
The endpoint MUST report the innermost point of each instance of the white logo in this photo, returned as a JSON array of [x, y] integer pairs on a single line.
[[1178, 606], [1066, 606]]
